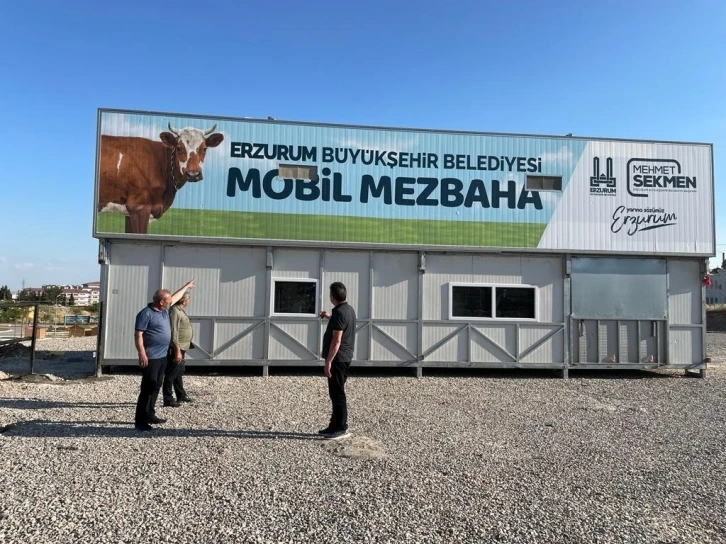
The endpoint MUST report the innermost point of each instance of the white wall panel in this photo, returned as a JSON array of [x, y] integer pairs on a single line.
[[395, 286], [134, 275]]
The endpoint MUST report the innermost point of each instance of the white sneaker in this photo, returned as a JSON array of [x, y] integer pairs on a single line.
[[337, 435]]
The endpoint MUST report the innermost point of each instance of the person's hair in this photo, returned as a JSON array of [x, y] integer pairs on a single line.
[[159, 295], [184, 297], [338, 291]]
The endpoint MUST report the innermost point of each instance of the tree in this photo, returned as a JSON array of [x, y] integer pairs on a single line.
[[71, 301], [26, 295], [11, 315], [51, 292], [5, 293]]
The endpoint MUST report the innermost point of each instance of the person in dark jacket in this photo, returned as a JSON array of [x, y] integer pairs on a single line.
[[338, 347]]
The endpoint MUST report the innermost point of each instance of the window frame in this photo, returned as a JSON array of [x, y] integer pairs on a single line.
[[540, 178], [493, 287], [312, 169], [274, 281]]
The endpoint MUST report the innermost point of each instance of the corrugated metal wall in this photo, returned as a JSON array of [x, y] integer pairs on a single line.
[[133, 279], [492, 341], [685, 306], [401, 299]]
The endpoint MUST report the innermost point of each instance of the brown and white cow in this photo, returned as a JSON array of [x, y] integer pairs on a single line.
[[140, 177]]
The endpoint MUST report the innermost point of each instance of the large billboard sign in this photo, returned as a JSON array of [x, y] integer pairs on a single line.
[[211, 179]]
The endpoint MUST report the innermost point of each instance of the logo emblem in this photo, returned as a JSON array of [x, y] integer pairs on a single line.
[[650, 176], [602, 183]]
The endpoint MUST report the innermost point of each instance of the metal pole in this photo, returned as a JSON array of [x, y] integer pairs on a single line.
[[98, 340], [268, 301], [36, 309], [704, 320]]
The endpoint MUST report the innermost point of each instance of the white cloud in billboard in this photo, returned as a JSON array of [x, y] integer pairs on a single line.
[[112, 127], [151, 131], [146, 130], [563, 155]]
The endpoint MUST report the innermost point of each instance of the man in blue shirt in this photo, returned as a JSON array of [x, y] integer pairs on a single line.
[[152, 338]]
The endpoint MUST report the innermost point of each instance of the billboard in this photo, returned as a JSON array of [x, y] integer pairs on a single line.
[[203, 179], [77, 320]]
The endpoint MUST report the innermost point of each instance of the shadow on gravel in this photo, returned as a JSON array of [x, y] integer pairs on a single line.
[[40, 428], [55, 379], [37, 404]]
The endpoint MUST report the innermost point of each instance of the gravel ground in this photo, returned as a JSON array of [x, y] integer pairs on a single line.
[[469, 457], [716, 346]]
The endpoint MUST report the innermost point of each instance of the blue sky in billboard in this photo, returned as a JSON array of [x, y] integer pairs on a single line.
[[640, 70]]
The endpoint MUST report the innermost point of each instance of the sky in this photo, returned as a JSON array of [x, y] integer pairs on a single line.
[[641, 70]]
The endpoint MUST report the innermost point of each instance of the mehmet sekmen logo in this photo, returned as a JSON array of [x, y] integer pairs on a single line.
[[657, 176], [602, 183]]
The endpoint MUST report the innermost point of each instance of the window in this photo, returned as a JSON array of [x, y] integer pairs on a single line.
[[297, 171], [515, 302], [294, 296], [544, 183], [472, 301]]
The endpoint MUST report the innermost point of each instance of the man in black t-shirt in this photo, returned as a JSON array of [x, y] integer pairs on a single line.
[[338, 345]]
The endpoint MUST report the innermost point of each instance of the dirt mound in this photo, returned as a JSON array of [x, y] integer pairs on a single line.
[[716, 321], [16, 349], [357, 447]]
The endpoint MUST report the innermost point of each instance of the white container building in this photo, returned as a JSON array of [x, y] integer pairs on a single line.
[[458, 249]]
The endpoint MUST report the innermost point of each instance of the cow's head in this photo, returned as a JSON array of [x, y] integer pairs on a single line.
[[190, 146]]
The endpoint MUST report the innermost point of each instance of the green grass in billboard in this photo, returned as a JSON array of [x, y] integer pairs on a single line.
[[224, 224]]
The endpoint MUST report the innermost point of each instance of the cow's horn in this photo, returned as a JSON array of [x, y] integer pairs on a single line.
[[207, 133], [174, 132]]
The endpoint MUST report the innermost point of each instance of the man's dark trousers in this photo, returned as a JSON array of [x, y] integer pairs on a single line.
[[174, 377], [151, 380], [336, 389]]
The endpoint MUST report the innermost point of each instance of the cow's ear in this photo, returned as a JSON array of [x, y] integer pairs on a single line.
[[168, 139], [215, 139]]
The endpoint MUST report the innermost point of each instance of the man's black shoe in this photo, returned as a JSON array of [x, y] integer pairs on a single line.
[[185, 399], [143, 427], [326, 430], [172, 403], [157, 420]]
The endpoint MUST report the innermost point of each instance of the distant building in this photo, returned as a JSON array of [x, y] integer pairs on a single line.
[[716, 294], [83, 295]]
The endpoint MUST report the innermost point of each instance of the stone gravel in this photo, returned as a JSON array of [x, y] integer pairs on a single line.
[[453, 457]]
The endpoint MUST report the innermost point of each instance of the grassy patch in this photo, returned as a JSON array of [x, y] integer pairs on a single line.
[[269, 226]]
